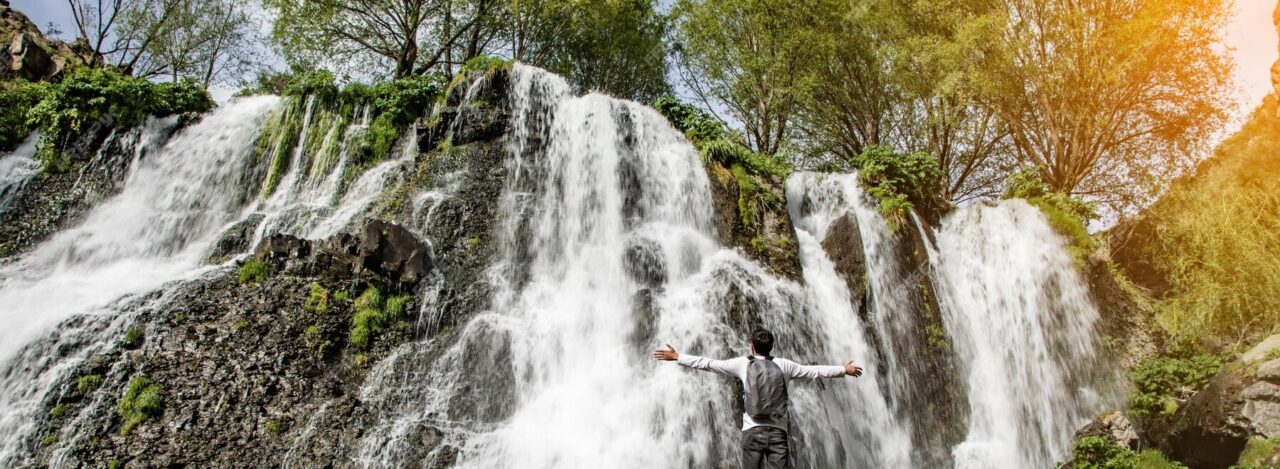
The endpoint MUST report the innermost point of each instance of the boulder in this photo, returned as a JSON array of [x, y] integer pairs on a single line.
[[843, 245], [1240, 403], [384, 254], [393, 252], [1112, 425]]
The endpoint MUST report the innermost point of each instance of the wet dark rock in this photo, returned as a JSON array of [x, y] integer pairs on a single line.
[[235, 239], [99, 158], [644, 262], [483, 117], [645, 313], [385, 254], [771, 239], [393, 252], [843, 245], [1241, 402], [248, 372]]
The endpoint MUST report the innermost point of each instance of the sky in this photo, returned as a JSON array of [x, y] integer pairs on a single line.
[[1250, 34]]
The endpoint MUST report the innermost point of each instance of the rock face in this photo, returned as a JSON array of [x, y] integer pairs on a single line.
[[844, 247], [770, 240], [25, 53], [1241, 402]]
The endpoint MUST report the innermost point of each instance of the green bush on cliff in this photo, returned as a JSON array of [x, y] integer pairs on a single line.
[[1095, 452], [1068, 215], [16, 98], [373, 314], [253, 271], [89, 94], [1160, 381], [698, 125], [896, 179], [142, 400]]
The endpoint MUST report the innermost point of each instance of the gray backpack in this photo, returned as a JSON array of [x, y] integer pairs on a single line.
[[765, 393]]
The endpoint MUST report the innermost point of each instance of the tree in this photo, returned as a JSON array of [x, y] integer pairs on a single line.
[[749, 57], [94, 21], [1112, 98], [413, 36], [205, 40], [614, 46], [901, 74]]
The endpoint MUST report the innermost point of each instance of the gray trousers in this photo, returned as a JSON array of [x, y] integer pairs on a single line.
[[765, 448]]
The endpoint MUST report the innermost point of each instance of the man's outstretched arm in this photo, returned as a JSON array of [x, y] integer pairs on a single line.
[[724, 367], [799, 371]]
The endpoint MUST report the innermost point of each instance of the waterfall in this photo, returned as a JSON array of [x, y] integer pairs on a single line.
[[1023, 325], [603, 248], [16, 169], [154, 231]]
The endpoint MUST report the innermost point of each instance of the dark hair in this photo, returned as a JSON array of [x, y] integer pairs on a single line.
[[762, 341]]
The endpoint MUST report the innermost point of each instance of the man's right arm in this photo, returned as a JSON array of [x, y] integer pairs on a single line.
[[724, 367]]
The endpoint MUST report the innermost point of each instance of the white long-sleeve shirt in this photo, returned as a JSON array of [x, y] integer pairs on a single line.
[[737, 367]]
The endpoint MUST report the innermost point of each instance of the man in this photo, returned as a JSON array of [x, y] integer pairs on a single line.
[[766, 419]]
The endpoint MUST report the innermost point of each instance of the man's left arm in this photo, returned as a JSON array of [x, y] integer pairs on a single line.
[[798, 371]]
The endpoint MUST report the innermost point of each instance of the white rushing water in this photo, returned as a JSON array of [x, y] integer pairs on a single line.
[[152, 232], [1022, 322], [16, 169], [605, 248]]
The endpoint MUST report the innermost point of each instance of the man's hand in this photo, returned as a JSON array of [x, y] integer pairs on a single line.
[[849, 369], [668, 355]]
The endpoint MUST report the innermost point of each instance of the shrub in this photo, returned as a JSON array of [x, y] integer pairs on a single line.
[[1095, 452], [394, 308], [729, 153], [142, 400], [318, 301], [1159, 382], [276, 427], [133, 337], [484, 62], [88, 383], [88, 94], [698, 125], [897, 179], [1068, 215], [253, 271], [59, 410], [406, 99], [16, 98], [1260, 453], [373, 314]]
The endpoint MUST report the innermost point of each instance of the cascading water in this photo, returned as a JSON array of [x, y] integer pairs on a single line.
[[604, 248], [16, 169], [1023, 326], [153, 232]]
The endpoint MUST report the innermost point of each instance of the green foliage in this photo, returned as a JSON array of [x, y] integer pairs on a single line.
[[730, 153], [16, 97], [484, 63], [698, 125], [49, 440], [88, 383], [1068, 215], [1259, 453], [142, 400], [1217, 241], [405, 99], [318, 300], [373, 314], [59, 410], [276, 427], [896, 179], [253, 271], [612, 46], [1160, 381], [114, 463], [1095, 452], [88, 94], [133, 337]]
